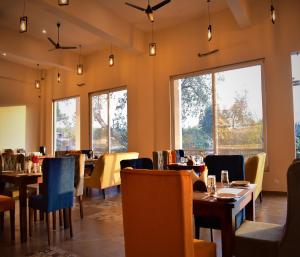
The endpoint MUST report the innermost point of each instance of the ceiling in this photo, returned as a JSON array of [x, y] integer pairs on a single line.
[[95, 24]]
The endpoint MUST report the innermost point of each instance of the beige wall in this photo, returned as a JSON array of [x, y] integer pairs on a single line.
[[148, 81], [17, 88]]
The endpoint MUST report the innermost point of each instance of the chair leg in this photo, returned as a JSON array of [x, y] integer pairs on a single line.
[[35, 216], [48, 226], [60, 212], [54, 220], [42, 216], [103, 193], [30, 221], [70, 222], [260, 197], [211, 235], [1, 221], [12, 224], [80, 206]]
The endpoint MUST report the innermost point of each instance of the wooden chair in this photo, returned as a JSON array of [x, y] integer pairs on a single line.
[[7, 204], [157, 215]]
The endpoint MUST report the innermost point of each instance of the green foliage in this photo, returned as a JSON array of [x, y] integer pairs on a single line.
[[297, 132]]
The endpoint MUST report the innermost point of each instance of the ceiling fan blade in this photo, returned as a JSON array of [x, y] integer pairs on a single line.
[[161, 4], [52, 42], [135, 6], [68, 47]]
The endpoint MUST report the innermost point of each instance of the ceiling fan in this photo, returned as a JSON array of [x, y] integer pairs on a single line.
[[57, 45], [149, 10]]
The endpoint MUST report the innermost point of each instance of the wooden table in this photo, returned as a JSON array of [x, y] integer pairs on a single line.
[[178, 166], [225, 212], [22, 180]]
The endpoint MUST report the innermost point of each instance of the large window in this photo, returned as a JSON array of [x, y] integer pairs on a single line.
[[296, 93], [220, 111], [109, 121], [67, 124]]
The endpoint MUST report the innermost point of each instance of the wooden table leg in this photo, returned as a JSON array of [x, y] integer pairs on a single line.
[[66, 219], [23, 211], [228, 232], [250, 209]]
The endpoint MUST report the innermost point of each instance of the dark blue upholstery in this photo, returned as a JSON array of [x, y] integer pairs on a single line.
[[58, 185], [179, 154], [215, 164], [140, 163]]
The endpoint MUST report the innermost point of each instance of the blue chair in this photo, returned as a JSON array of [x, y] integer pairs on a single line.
[[215, 164], [139, 163], [56, 191]]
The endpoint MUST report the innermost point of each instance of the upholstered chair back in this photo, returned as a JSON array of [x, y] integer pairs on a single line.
[[254, 171], [9, 161], [58, 178], [289, 244], [157, 213], [79, 173], [233, 163], [139, 163]]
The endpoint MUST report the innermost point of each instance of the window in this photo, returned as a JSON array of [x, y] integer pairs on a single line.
[[296, 95], [220, 111], [67, 124], [109, 121]]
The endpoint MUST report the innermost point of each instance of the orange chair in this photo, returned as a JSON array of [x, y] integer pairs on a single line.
[[8, 204], [157, 215]]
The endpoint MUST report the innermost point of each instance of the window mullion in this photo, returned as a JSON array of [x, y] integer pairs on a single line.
[[108, 115], [214, 108]]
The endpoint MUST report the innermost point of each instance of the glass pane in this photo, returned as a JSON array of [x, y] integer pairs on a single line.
[[239, 111], [196, 121], [296, 96], [118, 121], [100, 123], [66, 124]]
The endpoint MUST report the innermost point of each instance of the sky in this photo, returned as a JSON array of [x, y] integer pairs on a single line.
[[295, 58]]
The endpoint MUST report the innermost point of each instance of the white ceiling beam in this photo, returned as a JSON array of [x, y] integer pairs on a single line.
[[240, 11], [97, 20]]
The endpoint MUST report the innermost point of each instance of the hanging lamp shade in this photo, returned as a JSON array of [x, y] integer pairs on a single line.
[[111, 60], [209, 32], [152, 49], [79, 69], [23, 24], [37, 84], [63, 2], [58, 78], [273, 14]]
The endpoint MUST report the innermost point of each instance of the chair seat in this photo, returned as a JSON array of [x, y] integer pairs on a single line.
[[258, 239], [6, 203], [204, 248]]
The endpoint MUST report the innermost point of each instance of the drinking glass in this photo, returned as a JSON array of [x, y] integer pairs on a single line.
[[211, 185], [18, 167], [225, 178]]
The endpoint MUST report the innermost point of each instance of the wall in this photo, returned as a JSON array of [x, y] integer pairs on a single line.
[[148, 79], [17, 88]]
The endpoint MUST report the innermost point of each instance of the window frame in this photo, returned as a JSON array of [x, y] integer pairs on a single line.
[[54, 100], [213, 71], [100, 92]]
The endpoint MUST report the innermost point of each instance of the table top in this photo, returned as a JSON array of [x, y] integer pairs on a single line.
[[20, 178]]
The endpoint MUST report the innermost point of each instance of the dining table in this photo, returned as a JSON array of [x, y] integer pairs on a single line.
[[198, 168], [21, 179], [225, 210]]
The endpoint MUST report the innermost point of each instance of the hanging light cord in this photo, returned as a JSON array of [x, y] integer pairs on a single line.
[[152, 32], [111, 49], [37, 70], [79, 58], [208, 11], [24, 7]]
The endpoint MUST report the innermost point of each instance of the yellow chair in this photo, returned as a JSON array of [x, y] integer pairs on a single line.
[[157, 215], [7, 204], [106, 172], [254, 172]]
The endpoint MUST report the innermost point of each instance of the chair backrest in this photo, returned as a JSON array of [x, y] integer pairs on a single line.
[[79, 173], [139, 163], [107, 168], [9, 161], [254, 171], [233, 163], [289, 244], [157, 213], [58, 177]]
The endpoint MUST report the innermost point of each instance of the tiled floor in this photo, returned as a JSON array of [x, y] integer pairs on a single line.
[[100, 233]]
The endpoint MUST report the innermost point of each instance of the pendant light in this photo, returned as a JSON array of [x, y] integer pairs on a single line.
[[79, 65], [209, 29], [63, 2], [37, 81], [23, 20], [111, 58], [273, 13], [58, 78], [152, 45]]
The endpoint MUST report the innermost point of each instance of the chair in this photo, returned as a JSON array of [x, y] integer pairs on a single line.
[[57, 190], [215, 164], [140, 163], [271, 240], [157, 215], [107, 169], [254, 172], [7, 204]]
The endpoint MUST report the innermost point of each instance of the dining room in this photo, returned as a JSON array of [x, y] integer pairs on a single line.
[[112, 111]]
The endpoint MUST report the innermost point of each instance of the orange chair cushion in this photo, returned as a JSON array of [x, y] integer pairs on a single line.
[[204, 248], [6, 203]]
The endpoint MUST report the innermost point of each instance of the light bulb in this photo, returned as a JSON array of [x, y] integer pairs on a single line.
[[209, 33], [152, 49], [23, 24], [273, 14], [79, 69], [37, 84], [111, 60], [58, 78], [63, 2]]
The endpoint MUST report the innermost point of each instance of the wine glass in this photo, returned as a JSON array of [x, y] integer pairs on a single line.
[[211, 185]]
